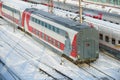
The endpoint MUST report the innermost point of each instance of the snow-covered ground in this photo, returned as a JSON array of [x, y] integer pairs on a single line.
[[25, 59]]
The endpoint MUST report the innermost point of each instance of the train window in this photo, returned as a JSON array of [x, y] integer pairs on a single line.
[[46, 38], [50, 27], [33, 30], [101, 36], [37, 32], [118, 41], [58, 44], [42, 35], [14, 11], [17, 12], [36, 20], [39, 21], [53, 29], [42, 23], [46, 25], [32, 18], [111, 22], [54, 42], [106, 38], [49, 39], [113, 41], [3, 6], [56, 29]]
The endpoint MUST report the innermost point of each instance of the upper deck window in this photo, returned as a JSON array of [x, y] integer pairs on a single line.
[[11, 9], [44, 24]]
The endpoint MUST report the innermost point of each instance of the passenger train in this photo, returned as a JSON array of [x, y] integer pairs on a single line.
[[111, 15], [109, 35], [77, 41]]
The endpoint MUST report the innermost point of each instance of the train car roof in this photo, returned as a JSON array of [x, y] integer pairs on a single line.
[[62, 21], [99, 11], [19, 5], [102, 24]]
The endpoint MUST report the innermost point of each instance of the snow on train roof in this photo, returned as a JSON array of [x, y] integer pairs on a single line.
[[102, 23], [106, 8], [60, 20], [20, 5], [88, 10]]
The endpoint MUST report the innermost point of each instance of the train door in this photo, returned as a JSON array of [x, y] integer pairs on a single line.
[[88, 49], [67, 49]]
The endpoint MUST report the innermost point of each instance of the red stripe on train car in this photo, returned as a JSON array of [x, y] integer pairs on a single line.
[[0, 8], [74, 47], [27, 20], [10, 17], [100, 16], [26, 15], [23, 19]]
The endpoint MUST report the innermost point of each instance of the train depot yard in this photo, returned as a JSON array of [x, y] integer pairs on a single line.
[[36, 44], [17, 47]]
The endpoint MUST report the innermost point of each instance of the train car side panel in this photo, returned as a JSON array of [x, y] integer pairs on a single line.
[[0, 8]]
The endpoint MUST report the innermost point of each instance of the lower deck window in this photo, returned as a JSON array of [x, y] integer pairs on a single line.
[[46, 38], [34, 30], [37, 32], [106, 38], [101, 36], [113, 41], [118, 41], [58, 44], [42, 35]]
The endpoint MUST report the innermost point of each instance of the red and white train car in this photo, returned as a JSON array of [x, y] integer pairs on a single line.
[[75, 40], [13, 11]]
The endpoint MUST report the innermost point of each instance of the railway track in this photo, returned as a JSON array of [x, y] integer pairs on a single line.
[[97, 70], [14, 76], [110, 55], [27, 55]]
